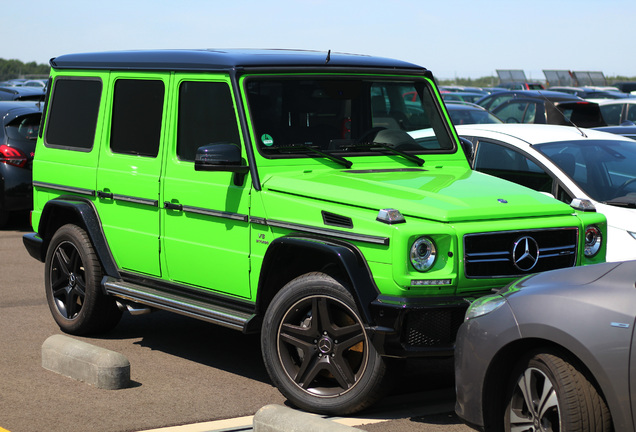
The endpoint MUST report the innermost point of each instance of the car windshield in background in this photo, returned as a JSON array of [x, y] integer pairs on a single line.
[[605, 170], [292, 116]]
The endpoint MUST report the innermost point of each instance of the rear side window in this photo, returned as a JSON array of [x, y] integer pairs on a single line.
[[137, 117], [73, 113], [206, 116]]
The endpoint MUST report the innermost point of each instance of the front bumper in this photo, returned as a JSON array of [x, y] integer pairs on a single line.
[[420, 327]]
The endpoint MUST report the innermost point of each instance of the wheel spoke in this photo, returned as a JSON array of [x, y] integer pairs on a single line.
[[548, 400], [321, 313], [62, 260]]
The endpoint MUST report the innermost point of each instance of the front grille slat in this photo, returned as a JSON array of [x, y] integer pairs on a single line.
[[491, 255]]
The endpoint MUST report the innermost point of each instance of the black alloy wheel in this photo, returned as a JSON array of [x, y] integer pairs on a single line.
[[72, 279], [316, 348]]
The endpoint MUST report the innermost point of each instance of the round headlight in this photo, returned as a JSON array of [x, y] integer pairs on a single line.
[[593, 241], [423, 254]]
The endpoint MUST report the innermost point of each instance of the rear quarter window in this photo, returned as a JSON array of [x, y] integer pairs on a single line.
[[73, 113]]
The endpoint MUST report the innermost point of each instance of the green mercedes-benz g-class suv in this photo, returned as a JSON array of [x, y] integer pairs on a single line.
[[321, 199]]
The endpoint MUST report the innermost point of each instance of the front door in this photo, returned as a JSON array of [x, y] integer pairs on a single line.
[[205, 238]]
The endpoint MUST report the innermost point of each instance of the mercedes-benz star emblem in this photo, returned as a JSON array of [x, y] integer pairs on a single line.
[[325, 345], [525, 253]]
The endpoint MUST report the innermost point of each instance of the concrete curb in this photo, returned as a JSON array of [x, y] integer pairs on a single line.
[[85, 362], [277, 418]]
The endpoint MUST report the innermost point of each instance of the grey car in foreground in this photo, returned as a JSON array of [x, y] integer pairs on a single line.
[[551, 352]]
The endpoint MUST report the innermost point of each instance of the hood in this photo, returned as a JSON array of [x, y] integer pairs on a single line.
[[446, 194]]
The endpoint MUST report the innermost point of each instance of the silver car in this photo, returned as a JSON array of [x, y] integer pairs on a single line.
[[551, 352]]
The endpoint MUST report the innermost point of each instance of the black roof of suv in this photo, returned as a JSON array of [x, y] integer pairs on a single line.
[[214, 59]]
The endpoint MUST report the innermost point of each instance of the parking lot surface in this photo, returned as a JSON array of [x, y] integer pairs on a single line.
[[183, 371]]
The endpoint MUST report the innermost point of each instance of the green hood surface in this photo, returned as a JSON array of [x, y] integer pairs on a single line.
[[451, 194]]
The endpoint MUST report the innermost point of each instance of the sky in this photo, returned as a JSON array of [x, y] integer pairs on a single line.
[[454, 39]]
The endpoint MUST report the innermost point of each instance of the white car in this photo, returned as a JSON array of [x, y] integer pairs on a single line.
[[567, 163]]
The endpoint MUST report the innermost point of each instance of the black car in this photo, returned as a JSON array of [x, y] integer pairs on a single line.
[[543, 107], [468, 113], [20, 122], [22, 93]]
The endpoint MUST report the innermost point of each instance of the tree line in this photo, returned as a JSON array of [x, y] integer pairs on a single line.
[[11, 69]]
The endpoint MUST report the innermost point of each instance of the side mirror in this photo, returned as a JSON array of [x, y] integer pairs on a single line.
[[220, 157], [469, 149]]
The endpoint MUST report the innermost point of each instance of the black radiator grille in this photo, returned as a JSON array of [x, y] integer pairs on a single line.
[[517, 253]]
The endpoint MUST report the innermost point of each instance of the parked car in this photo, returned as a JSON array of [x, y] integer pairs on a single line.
[[21, 93], [462, 96], [468, 113], [596, 93], [494, 99], [561, 109], [551, 352], [278, 192], [19, 123], [566, 163], [522, 85], [626, 86], [37, 83], [618, 111], [626, 130]]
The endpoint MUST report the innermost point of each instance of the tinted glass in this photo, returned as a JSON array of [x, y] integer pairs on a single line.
[[137, 112], [206, 116], [506, 163], [73, 113], [605, 170], [298, 114], [24, 128], [612, 113]]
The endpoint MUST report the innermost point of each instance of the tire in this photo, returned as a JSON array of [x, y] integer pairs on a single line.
[[548, 393], [72, 280], [316, 349]]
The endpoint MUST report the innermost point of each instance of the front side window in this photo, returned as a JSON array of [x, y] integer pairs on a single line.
[[73, 113], [206, 116], [344, 116], [137, 117], [511, 165]]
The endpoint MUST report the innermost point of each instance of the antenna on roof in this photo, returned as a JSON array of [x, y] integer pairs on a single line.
[[328, 57], [563, 115]]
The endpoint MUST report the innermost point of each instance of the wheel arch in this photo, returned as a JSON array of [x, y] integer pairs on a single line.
[[292, 256], [81, 212], [504, 362]]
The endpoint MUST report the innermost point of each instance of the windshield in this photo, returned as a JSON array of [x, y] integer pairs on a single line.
[[605, 170], [298, 115]]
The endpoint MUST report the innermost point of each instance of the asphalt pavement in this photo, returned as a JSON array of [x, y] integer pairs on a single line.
[[183, 371]]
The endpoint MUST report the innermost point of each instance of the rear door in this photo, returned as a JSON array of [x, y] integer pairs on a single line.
[[129, 170]]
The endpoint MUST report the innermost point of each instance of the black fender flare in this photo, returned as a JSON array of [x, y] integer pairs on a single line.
[[81, 211], [347, 257]]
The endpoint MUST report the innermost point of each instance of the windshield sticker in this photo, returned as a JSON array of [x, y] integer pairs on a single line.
[[267, 140]]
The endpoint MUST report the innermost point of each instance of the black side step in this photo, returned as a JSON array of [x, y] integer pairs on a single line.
[[215, 314]]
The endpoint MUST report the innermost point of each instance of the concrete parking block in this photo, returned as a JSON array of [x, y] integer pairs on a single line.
[[277, 418], [85, 362]]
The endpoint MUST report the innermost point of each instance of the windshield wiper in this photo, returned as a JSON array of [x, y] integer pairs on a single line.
[[418, 160], [628, 201], [338, 159]]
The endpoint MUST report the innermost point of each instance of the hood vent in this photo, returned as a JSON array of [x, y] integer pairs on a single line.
[[336, 220]]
